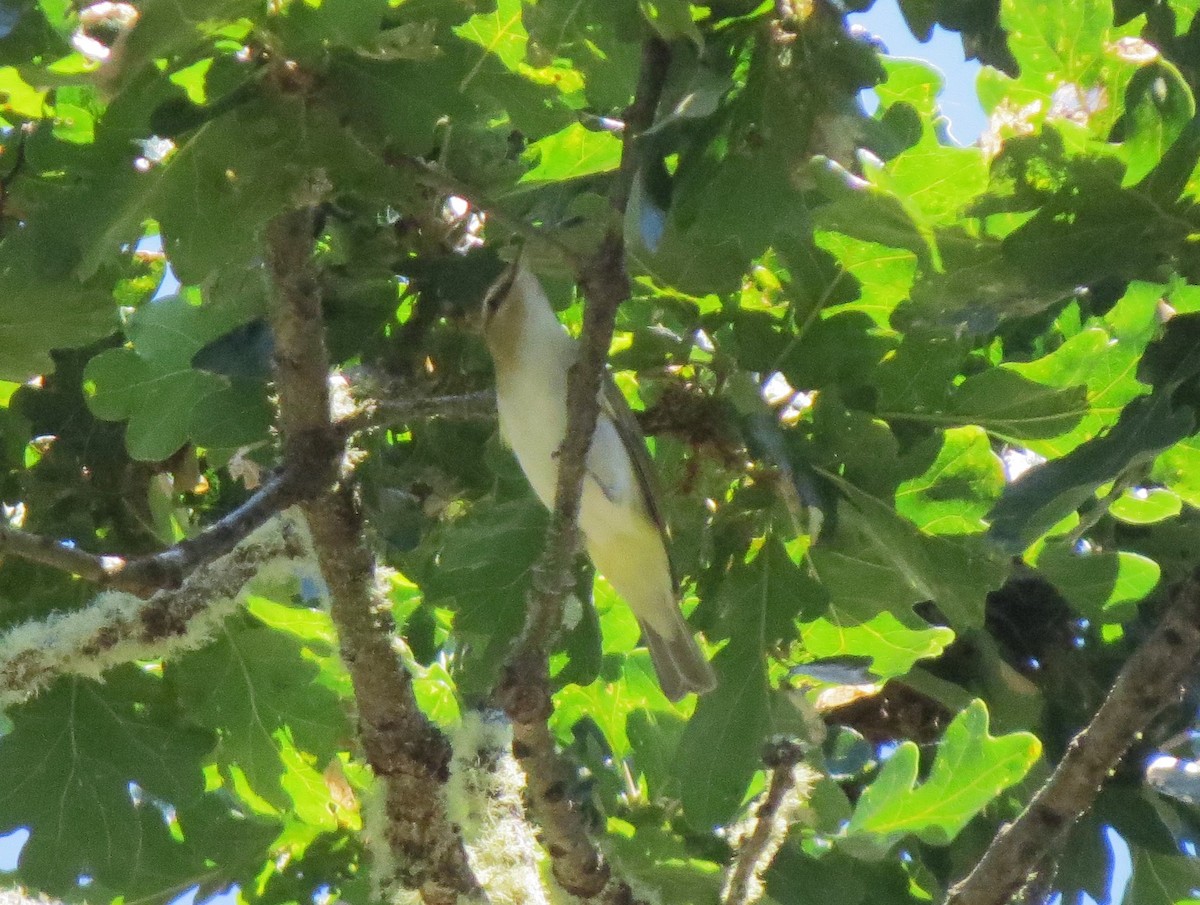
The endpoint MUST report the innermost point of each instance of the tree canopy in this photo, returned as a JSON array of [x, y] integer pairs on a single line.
[[280, 610]]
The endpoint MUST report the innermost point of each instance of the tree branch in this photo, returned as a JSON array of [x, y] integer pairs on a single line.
[[409, 756], [166, 569], [786, 795], [384, 401], [118, 627], [524, 689], [1150, 681], [144, 575], [464, 406]]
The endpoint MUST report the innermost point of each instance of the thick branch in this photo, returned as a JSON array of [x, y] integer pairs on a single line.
[[407, 753], [524, 690], [1150, 681], [118, 627]]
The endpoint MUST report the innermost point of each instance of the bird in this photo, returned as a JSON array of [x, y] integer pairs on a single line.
[[620, 517]]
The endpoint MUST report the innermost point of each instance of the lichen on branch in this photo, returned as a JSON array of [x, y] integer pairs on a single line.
[[118, 627]]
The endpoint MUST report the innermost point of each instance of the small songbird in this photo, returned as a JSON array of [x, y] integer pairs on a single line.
[[619, 516]]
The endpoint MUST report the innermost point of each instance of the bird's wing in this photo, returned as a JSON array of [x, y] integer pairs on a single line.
[[614, 407]]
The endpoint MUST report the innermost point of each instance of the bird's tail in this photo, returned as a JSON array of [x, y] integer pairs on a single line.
[[678, 660]]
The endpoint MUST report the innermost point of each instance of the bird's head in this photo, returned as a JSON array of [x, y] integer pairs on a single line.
[[501, 312]]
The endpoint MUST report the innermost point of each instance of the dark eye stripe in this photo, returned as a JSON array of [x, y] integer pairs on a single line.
[[499, 291]]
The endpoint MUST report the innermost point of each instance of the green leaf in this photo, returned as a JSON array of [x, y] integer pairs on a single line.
[[1104, 361], [165, 28], [233, 417], [165, 400], [17, 97], [654, 736], [734, 720], [1099, 230], [911, 82], [976, 288], [892, 645], [1098, 585], [1045, 495], [970, 769], [609, 704], [936, 182], [835, 878], [1178, 469], [261, 688], [39, 315], [1066, 50], [1149, 425], [502, 33], [728, 198], [77, 749], [885, 275], [867, 211], [920, 375], [592, 35], [218, 191], [959, 487], [1140, 506], [1048, 493], [372, 98], [672, 19], [776, 589], [655, 857], [1158, 105], [312, 28], [881, 561], [1005, 403], [571, 153], [699, 100], [736, 717], [1162, 879], [483, 572]]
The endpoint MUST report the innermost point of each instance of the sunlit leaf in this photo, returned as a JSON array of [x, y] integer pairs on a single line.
[[1097, 585], [892, 645], [971, 767]]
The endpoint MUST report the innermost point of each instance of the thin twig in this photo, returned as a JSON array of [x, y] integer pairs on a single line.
[[524, 689], [409, 756], [166, 569], [652, 78], [384, 411], [143, 575], [772, 819], [1150, 681]]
